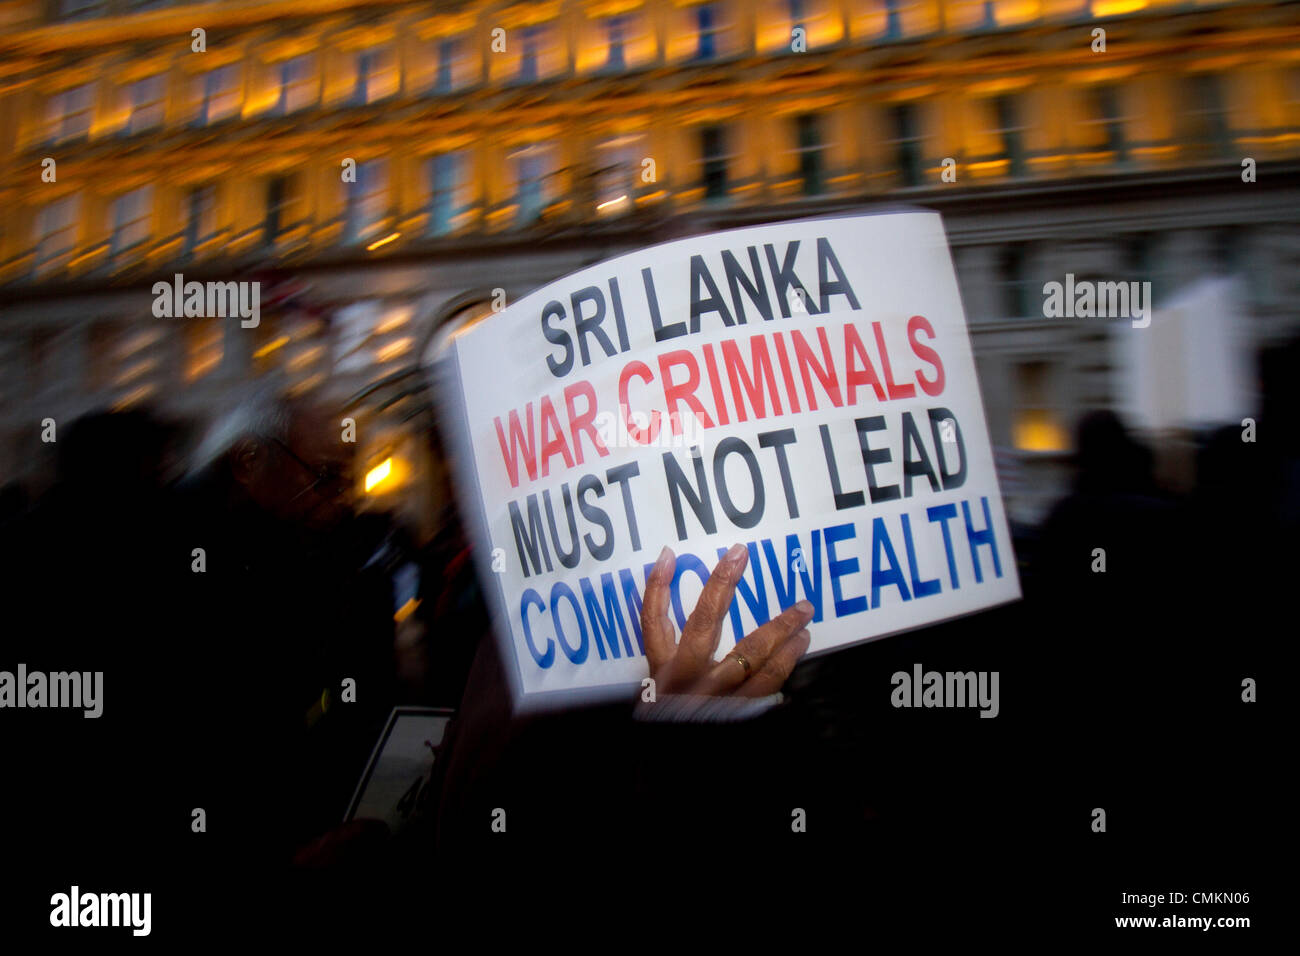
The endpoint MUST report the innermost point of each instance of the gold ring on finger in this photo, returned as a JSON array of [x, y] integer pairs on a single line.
[[743, 662]]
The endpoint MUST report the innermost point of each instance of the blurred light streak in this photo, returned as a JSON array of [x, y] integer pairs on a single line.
[[378, 475]]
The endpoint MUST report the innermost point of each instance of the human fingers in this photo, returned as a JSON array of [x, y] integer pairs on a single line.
[[704, 627], [656, 629], [772, 675], [749, 656]]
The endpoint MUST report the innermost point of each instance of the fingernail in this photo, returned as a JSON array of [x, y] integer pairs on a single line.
[[804, 607], [735, 553], [665, 556]]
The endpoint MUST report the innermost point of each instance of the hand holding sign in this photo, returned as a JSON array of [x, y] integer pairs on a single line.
[[806, 388], [756, 667]]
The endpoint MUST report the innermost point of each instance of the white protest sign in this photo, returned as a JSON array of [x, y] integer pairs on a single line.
[[805, 388]]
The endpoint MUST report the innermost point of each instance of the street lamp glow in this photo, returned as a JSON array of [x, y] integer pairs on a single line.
[[379, 474]]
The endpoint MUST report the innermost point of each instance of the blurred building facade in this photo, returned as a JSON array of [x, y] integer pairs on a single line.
[[380, 165]]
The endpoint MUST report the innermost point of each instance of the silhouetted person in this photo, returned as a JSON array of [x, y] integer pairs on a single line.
[[283, 629], [1246, 519], [83, 591], [1113, 518], [1110, 609]]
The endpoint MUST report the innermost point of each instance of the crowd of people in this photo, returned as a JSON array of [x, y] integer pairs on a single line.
[[227, 594]]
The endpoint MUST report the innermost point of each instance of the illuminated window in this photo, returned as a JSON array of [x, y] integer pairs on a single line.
[[283, 199], [713, 159], [131, 219], [454, 65], [904, 117], [616, 27], [895, 19], [70, 113], [1009, 131], [446, 60], [56, 233], [377, 76], [219, 94], [299, 84], [618, 172], [147, 102], [367, 201], [200, 216], [448, 191], [971, 15], [707, 30], [811, 150], [534, 52], [1205, 119], [528, 58], [780, 22], [996, 13], [534, 181], [1038, 424], [991, 14], [612, 44], [1105, 119]]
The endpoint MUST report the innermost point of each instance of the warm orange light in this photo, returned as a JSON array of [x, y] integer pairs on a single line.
[[392, 350], [379, 474], [382, 242], [1038, 431], [406, 610], [395, 321], [271, 346], [1113, 8], [86, 255], [202, 363]]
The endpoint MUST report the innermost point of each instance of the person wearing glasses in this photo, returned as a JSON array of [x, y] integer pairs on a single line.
[[290, 635]]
